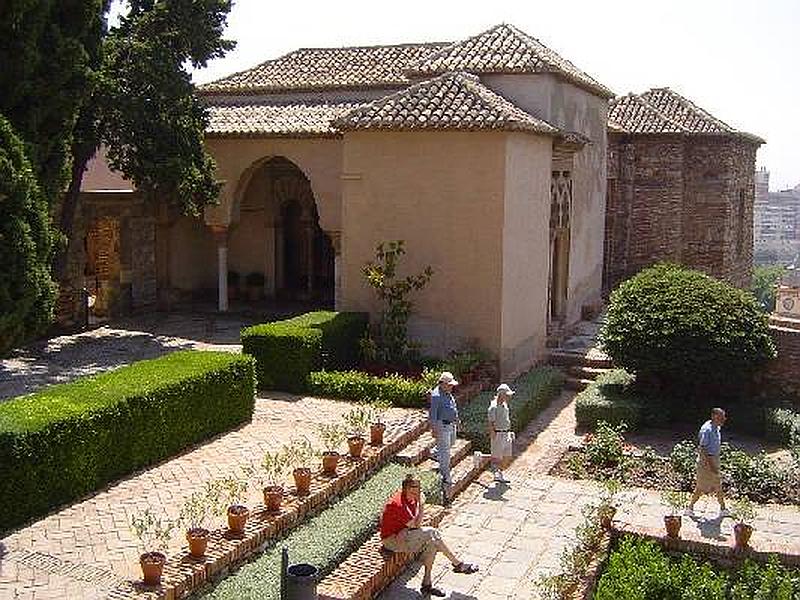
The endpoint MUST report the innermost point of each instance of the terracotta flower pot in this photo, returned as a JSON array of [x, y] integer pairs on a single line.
[[273, 497], [330, 460], [237, 518], [302, 480], [376, 433], [605, 519], [673, 525], [742, 533], [198, 541], [356, 445], [152, 567]]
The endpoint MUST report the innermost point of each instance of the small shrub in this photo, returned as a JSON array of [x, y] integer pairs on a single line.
[[606, 446], [683, 331], [534, 392], [362, 387], [609, 398], [67, 440], [783, 426], [287, 351]]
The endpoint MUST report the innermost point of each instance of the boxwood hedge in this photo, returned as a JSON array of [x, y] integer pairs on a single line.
[[68, 440], [324, 541], [610, 399], [287, 351], [359, 386], [534, 391]]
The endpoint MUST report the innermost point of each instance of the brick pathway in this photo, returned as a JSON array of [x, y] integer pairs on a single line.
[[516, 534], [85, 549]]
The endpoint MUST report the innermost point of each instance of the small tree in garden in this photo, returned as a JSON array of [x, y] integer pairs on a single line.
[[153, 533], [686, 334], [392, 345]]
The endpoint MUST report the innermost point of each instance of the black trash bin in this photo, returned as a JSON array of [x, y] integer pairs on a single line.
[[301, 582]]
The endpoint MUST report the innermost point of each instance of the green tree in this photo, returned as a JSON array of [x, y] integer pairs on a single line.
[[685, 334], [26, 290], [144, 109], [765, 279]]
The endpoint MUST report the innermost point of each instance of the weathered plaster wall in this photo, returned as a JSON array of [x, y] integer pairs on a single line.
[[192, 257], [525, 251], [443, 194], [574, 110]]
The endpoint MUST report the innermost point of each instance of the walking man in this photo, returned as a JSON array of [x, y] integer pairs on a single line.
[[500, 434], [402, 531], [443, 417], [709, 479]]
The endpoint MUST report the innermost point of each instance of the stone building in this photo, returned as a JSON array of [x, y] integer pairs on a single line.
[[776, 224], [680, 189]]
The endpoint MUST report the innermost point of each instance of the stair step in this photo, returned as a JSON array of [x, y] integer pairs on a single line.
[[463, 472], [581, 359], [417, 451], [572, 383], [582, 372]]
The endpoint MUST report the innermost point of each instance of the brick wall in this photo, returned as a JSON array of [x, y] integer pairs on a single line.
[[682, 199], [784, 371]]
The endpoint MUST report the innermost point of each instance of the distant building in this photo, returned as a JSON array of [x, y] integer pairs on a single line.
[[776, 225]]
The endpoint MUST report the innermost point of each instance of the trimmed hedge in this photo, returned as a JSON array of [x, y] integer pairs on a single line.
[[640, 569], [287, 351], [609, 399], [324, 541], [534, 391], [68, 440], [359, 386]]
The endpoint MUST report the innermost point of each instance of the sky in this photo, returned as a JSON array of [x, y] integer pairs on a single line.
[[738, 59]]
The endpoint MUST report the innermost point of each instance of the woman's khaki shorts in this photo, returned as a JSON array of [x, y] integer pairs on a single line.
[[502, 443], [708, 480]]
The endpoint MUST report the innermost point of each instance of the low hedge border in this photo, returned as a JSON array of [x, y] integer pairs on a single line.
[[609, 399], [287, 351], [324, 541], [359, 386], [534, 392], [69, 440]]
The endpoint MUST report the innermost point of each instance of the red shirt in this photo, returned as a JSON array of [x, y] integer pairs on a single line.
[[396, 515]]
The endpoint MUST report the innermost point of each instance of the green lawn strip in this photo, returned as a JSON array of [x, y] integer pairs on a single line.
[[640, 569], [68, 440], [534, 391], [324, 541]]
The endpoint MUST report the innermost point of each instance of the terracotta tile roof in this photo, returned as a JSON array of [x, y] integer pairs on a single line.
[[456, 101], [505, 49], [664, 111], [326, 68], [263, 117]]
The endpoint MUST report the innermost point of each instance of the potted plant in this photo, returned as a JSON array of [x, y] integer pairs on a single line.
[[744, 513], [194, 513], [357, 421], [229, 496], [377, 427], [608, 507], [273, 469], [153, 535], [233, 285], [676, 501], [301, 454], [332, 435], [255, 285]]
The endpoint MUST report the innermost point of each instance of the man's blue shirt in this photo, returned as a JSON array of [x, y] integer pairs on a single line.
[[710, 438], [443, 406]]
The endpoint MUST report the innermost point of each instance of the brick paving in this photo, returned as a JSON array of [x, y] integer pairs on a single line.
[[517, 534], [86, 549]]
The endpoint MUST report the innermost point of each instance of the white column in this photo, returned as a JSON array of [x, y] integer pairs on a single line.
[[221, 237]]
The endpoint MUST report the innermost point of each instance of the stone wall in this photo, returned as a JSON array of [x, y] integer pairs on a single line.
[[784, 372], [681, 199]]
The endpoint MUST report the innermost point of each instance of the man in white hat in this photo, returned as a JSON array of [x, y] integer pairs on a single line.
[[443, 417], [500, 434]]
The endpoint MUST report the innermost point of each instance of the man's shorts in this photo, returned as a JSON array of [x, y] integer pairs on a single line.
[[708, 480], [411, 541], [502, 443]]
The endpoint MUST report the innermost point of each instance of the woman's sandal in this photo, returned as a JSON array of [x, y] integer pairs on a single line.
[[466, 568]]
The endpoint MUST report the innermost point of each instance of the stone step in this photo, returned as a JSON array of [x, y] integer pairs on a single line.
[[576, 384], [582, 372], [566, 358], [463, 470], [417, 451]]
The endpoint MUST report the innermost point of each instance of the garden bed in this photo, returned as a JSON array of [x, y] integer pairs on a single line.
[[605, 455]]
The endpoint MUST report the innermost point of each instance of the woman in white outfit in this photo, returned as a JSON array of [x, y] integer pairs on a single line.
[[500, 434]]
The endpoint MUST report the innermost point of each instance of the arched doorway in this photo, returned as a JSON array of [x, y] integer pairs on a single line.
[[278, 236]]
